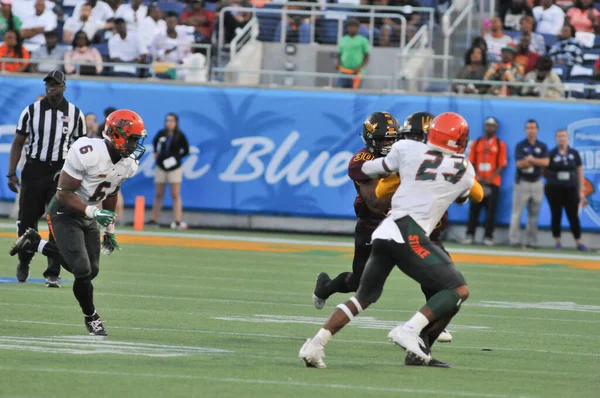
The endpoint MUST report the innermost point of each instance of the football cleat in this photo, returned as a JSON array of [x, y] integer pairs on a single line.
[[52, 281], [94, 325], [410, 341], [28, 242], [322, 280], [412, 360], [312, 354], [444, 337], [469, 240], [22, 272]]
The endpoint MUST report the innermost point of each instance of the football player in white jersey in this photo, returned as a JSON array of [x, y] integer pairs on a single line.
[[92, 174], [434, 175]]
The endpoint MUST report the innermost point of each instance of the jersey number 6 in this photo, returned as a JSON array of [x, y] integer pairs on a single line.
[[433, 164], [100, 192], [85, 149]]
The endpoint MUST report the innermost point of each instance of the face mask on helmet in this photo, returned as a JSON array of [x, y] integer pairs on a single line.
[[383, 146], [128, 146]]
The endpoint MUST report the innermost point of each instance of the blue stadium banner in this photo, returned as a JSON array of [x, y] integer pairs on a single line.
[[286, 151]]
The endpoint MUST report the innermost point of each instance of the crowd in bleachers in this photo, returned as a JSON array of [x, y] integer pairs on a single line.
[[546, 42], [70, 32]]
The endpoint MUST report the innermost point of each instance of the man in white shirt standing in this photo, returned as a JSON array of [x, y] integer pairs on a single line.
[[152, 25], [85, 22], [549, 18], [133, 13], [173, 46], [100, 11], [126, 47], [43, 20]]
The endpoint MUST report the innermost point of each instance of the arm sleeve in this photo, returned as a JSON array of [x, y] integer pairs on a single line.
[[366, 46], [476, 193], [374, 168], [81, 130], [73, 165], [185, 147], [503, 156], [155, 142], [23, 125], [578, 161], [518, 153], [387, 186], [355, 166], [112, 49], [545, 151]]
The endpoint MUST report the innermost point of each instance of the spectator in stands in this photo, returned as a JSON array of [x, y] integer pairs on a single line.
[[512, 13], [82, 52], [549, 18], [489, 158], [101, 11], [584, 17], [524, 56], [538, 43], [170, 147], [507, 70], [565, 188], [7, 19], [353, 55], [43, 20], [84, 22], [531, 156], [49, 57], [202, 20], [13, 48], [171, 47], [133, 13], [543, 74], [233, 20], [152, 25], [480, 43], [567, 50], [392, 27], [474, 69], [496, 40], [92, 126], [125, 47]]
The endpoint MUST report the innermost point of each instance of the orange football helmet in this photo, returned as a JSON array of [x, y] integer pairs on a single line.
[[448, 133], [125, 129]]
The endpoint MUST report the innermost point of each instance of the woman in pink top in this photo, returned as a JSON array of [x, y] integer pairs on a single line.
[[82, 52], [583, 16]]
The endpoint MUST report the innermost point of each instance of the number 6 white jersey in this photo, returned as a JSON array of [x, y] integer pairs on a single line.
[[88, 160], [430, 182]]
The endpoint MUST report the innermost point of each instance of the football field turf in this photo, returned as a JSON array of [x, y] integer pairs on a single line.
[[213, 314]]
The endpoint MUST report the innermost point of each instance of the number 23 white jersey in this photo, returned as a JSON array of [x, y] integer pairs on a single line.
[[430, 182], [88, 160]]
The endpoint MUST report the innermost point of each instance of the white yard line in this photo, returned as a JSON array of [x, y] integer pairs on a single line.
[[289, 383]]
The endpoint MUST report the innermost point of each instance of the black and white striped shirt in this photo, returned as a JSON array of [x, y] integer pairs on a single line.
[[51, 130]]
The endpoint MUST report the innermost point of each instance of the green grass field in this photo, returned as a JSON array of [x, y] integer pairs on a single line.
[[228, 322]]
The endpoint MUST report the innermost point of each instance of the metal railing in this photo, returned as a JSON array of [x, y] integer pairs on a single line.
[[312, 15], [448, 28]]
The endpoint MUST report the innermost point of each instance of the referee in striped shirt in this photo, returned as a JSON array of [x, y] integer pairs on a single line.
[[51, 124]]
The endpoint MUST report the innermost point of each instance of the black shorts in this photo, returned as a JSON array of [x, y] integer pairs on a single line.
[[78, 240], [419, 258]]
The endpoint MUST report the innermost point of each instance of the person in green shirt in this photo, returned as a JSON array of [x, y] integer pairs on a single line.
[[7, 19], [353, 55]]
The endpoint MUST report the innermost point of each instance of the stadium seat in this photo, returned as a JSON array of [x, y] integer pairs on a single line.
[[512, 33], [597, 41], [575, 88], [267, 25], [550, 40], [102, 49], [328, 32], [68, 10], [175, 6]]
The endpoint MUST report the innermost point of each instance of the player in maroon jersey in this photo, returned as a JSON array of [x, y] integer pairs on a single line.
[[380, 131]]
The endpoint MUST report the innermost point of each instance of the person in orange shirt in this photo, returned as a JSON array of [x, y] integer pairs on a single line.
[[488, 156], [13, 48]]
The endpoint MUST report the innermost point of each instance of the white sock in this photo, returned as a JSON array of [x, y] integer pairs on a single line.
[[41, 245], [416, 323], [322, 337]]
